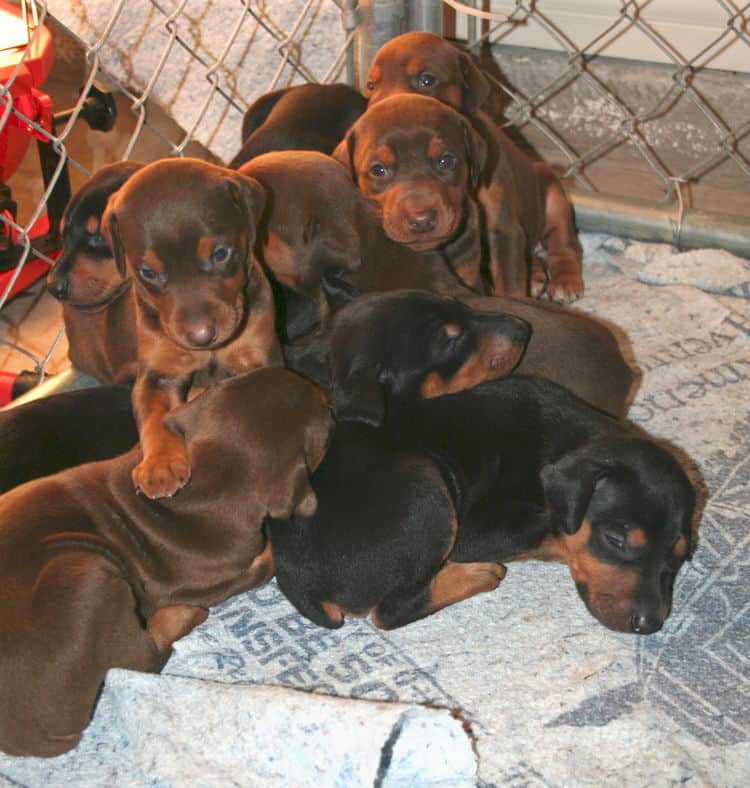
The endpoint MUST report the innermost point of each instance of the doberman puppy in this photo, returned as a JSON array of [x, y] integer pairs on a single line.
[[302, 117], [96, 297], [532, 472], [524, 202], [185, 229], [94, 576], [400, 507], [418, 161], [310, 226]]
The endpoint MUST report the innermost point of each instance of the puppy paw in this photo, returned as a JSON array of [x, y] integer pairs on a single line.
[[565, 288], [161, 475], [488, 574]]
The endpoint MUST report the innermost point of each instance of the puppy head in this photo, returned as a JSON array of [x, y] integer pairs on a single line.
[[415, 159], [312, 216], [184, 229], [86, 275], [262, 434], [427, 64], [625, 507], [416, 344]]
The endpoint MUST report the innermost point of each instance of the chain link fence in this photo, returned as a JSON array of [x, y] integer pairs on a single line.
[[184, 71]]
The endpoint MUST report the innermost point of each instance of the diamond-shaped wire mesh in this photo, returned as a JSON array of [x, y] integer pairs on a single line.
[[185, 70]]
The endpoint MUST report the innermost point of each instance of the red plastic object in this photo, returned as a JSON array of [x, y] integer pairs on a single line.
[[34, 267], [6, 387], [27, 99]]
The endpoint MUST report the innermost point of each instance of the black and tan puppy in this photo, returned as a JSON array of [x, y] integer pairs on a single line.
[[185, 230], [524, 203], [95, 576], [388, 516], [302, 117], [96, 297], [427, 509]]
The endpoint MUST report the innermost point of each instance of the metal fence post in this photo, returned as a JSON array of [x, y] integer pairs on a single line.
[[381, 21], [426, 15]]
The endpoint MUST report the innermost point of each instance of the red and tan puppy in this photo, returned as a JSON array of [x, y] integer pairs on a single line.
[[95, 576], [185, 230], [418, 161], [524, 202], [95, 292]]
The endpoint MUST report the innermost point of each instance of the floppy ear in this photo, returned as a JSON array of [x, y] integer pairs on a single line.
[[249, 195], [110, 229], [358, 395], [569, 484], [293, 495], [476, 87], [344, 153], [476, 152], [337, 291]]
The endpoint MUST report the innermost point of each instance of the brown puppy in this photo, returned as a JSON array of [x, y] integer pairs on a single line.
[[186, 229], [523, 201], [301, 117], [96, 297], [94, 576], [418, 160]]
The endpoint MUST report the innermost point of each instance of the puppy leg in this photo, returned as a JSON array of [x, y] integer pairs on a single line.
[[563, 249], [508, 266], [165, 466], [79, 621], [453, 583], [538, 278]]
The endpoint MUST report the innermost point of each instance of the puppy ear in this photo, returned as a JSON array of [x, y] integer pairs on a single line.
[[249, 195], [344, 153], [292, 496], [358, 395], [337, 291], [476, 86], [569, 484], [476, 152], [110, 229]]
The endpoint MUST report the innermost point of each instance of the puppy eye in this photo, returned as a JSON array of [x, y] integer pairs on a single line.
[[97, 241], [446, 162], [370, 85], [426, 80], [617, 539], [149, 275], [220, 254], [378, 171]]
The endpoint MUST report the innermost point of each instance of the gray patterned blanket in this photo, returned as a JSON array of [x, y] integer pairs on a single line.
[[540, 693]]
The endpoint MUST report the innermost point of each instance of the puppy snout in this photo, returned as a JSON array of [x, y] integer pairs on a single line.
[[645, 624], [202, 334], [422, 220], [59, 287]]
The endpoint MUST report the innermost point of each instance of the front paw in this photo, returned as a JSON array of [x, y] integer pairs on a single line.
[[565, 288], [161, 475]]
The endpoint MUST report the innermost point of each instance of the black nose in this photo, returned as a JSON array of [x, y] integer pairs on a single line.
[[644, 624], [202, 335], [423, 221], [59, 287]]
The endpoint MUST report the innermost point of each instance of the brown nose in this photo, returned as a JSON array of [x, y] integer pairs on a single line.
[[201, 335], [423, 221]]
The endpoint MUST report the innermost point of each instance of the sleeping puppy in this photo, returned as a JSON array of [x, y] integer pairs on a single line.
[[184, 230], [425, 510], [96, 297], [524, 203], [301, 117], [95, 576]]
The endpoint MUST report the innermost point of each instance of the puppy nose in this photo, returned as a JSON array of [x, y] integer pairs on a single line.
[[59, 287], [423, 221], [202, 335], [643, 624]]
